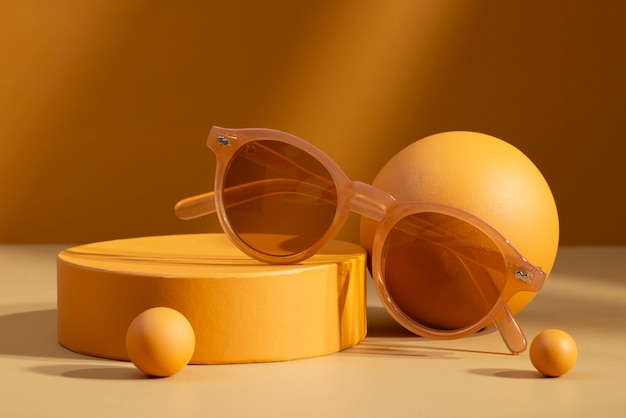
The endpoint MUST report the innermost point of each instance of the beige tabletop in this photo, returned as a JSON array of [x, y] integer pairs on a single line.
[[391, 374]]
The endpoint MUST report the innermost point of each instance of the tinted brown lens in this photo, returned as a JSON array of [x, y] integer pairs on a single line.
[[442, 272], [279, 199]]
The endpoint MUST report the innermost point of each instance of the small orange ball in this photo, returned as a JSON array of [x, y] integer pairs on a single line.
[[160, 341], [553, 352]]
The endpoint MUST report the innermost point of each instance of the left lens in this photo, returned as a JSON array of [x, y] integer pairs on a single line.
[[441, 271], [278, 199]]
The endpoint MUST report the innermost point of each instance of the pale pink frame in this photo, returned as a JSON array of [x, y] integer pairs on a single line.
[[376, 204]]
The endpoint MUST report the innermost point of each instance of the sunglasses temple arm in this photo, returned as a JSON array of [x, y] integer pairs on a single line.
[[196, 206], [511, 332], [204, 204]]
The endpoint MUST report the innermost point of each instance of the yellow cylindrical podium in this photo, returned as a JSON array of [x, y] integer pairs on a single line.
[[241, 310]]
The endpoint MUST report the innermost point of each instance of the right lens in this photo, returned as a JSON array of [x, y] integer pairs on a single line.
[[279, 199], [441, 271]]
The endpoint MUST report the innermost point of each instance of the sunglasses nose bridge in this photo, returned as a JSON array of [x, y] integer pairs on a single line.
[[370, 202]]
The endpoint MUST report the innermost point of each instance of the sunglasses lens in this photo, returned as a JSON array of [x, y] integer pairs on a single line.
[[441, 271], [279, 199]]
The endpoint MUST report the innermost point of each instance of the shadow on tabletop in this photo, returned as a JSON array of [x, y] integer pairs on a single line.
[[76, 371], [508, 373], [32, 334], [386, 337]]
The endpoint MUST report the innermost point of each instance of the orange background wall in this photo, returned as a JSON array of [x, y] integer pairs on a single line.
[[105, 104]]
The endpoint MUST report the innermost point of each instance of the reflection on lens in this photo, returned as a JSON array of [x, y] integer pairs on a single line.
[[279, 200], [441, 271]]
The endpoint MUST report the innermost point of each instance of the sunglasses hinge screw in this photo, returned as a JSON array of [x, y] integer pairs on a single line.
[[221, 139], [525, 277]]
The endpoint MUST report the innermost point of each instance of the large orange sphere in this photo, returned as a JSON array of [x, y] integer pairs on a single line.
[[484, 176]]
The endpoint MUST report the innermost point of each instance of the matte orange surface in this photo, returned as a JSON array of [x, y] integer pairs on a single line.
[[160, 341], [241, 310], [553, 352]]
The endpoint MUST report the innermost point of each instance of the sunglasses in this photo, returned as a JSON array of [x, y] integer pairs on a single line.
[[439, 271]]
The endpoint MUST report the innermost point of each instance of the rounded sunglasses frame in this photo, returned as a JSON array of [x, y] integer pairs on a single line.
[[371, 202]]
